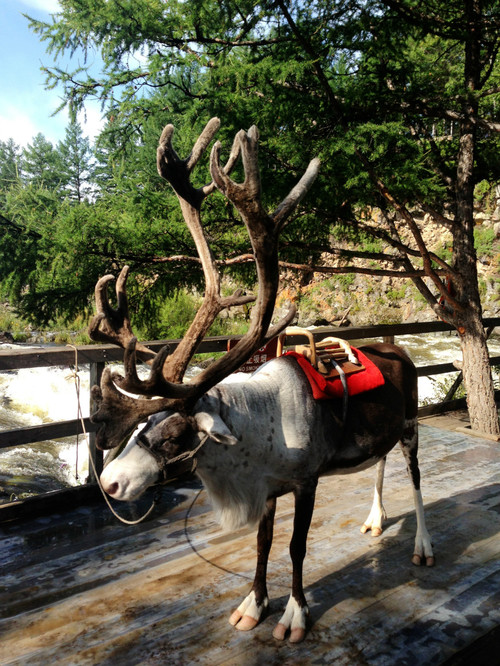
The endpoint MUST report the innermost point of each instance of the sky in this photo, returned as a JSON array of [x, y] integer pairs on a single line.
[[26, 108]]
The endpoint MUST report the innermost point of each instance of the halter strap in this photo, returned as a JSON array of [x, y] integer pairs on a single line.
[[171, 468]]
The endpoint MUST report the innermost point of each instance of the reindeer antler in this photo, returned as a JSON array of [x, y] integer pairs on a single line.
[[167, 371]]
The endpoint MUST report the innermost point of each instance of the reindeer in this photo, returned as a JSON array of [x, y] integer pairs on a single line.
[[250, 441]]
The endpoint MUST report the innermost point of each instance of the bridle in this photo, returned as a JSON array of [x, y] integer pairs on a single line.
[[171, 468]]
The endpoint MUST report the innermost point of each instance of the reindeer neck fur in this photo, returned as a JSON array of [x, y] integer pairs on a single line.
[[270, 415]]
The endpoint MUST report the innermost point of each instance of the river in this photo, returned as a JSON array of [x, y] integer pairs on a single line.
[[34, 396]]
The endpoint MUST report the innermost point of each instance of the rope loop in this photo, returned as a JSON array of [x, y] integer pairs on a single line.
[[156, 498]]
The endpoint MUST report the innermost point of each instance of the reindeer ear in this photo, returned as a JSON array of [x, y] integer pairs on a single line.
[[213, 426]]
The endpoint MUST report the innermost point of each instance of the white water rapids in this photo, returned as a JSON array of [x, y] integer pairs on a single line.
[[38, 395]]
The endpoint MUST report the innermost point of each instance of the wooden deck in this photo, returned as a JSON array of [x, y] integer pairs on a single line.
[[78, 587]]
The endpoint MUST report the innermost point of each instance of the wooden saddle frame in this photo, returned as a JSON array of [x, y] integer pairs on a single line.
[[330, 356]]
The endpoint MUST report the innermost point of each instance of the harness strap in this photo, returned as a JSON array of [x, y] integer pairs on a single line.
[[345, 396], [170, 468]]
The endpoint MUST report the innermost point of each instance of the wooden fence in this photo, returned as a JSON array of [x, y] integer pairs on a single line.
[[95, 357]]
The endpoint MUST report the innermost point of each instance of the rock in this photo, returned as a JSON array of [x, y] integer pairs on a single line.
[[5, 336]]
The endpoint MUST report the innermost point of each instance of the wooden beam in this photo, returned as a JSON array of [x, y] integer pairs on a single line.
[[53, 501], [44, 432]]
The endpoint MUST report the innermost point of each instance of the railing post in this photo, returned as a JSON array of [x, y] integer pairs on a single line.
[[96, 370]]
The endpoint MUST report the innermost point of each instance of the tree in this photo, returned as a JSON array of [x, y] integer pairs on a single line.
[[42, 165], [371, 84], [10, 165], [76, 162], [53, 248]]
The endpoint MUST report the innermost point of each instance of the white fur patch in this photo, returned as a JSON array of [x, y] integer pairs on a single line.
[[250, 607], [235, 504], [127, 476], [423, 545], [377, 513], [294, 618]]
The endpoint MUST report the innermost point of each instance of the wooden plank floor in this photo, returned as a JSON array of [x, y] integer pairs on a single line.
[[78, 587]]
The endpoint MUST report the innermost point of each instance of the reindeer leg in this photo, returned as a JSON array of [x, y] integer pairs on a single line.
[[409, 445], [296, 611], [377, 513], [249, 612]]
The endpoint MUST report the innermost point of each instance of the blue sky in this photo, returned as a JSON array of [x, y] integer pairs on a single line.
[[25, 106]]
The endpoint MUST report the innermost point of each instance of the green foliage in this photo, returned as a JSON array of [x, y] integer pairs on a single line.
[[321, 78], [42, 166], [484, 237], [442, 386], [10, 165], [175, 314], [75, 156], [396, 295], [345, 281]]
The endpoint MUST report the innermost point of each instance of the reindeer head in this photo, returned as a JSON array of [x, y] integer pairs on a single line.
[[119, 413]]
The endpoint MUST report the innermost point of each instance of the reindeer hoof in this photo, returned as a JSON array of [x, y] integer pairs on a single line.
[[293, 619], [297, 635], [249, 613], [419, 560], [235, 618], [246, 623], [376, 531], [279, 631]]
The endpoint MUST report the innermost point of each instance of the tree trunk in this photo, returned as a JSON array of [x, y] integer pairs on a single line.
[[476, 367], [478, 382]]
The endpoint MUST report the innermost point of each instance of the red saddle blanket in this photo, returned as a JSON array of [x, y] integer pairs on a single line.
[[359, 382]]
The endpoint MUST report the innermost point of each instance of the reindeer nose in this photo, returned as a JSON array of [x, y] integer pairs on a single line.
[[111, 488]]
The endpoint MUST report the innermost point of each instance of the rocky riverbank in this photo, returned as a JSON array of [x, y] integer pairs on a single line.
[[367, 299]]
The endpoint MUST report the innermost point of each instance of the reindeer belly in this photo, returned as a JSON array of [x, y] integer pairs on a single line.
[[371, 430]]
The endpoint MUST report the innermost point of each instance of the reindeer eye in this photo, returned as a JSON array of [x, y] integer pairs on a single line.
[[170, 446]]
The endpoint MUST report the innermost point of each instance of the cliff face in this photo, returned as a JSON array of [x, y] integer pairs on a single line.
[[365, 300]]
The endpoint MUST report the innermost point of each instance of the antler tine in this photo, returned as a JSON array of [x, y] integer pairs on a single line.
[[112, 325], [176, 170], [249, 190], [263, 231], [238, 298], [295, 196], [131, 381], [249, 157], [230, 164], [155, 384], [205, 138], [119, 414]]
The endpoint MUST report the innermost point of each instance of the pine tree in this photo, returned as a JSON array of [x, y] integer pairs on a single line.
[[75, 155], [10, 164], [42, 165]]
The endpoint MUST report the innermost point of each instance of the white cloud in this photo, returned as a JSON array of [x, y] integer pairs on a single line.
[[23, 126], [49, 6], [17, 126], [91, 120]]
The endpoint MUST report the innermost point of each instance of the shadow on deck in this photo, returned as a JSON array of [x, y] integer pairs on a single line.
[[78, 587]]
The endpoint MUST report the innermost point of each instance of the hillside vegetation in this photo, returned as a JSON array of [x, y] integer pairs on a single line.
[[368, 299]]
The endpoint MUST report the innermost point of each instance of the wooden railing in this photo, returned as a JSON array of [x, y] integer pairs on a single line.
[[95, 357]]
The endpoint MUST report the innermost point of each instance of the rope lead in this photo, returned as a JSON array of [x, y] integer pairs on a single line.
[[79, 416]]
